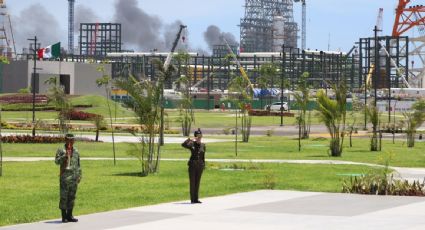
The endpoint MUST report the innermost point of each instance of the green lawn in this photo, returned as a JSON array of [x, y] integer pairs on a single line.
[[258, 148], [29, 191]]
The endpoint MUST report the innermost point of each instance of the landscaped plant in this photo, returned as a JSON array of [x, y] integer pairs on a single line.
[[58, 97], [186, 114], [302, 98], [241, 95], [382, 182], [413, 120], [333, 114], [375, 140], [105, 81], [145, 102], [99, 123]]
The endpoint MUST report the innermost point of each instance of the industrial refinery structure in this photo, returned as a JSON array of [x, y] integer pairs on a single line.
[[268, 34]]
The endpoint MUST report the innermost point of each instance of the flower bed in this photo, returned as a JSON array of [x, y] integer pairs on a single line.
[[38, 139], [23, 99]]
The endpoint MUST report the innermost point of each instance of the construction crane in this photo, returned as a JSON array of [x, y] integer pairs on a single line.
[[241, 69], [303, 24], [166, 65], [173, 48]]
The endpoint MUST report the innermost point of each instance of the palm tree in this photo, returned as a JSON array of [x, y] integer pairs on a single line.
[[374, 115], [267, 73], [58, 97], [333, 114], [414, 120], [241, 97], [302, 98]]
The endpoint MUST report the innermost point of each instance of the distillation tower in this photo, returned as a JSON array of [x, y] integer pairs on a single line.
[[260, 30]]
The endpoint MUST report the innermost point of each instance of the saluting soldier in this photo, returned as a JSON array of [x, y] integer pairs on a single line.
[[70, 176], [196, 164]]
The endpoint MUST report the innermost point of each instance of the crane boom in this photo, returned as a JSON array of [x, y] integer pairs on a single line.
[[173, 48], [241, 69]]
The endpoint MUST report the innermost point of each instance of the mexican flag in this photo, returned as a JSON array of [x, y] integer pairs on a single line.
[[52, 51]]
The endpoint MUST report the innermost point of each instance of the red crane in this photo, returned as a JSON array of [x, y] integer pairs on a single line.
[[408, 17]]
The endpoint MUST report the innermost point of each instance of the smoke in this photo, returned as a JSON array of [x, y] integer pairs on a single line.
[[36, 21], [213, 37], [138, 27], [84, 14], [144, 31]]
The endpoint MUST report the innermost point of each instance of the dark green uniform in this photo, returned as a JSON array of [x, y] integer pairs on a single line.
[[196, 166], [69, 178]]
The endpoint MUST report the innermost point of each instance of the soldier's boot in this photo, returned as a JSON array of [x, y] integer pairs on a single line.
[[64, 216], [70, 217]]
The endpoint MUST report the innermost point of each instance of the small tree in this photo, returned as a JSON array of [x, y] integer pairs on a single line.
[[187, 117], [145, 102], [302, 98], [413, 121], [241, 97], [267, 73], [99, 123], [105, 81], [333, 114], [374, 115], [58, 97]]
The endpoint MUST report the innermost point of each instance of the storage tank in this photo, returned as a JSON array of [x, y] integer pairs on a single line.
[[278, 30]]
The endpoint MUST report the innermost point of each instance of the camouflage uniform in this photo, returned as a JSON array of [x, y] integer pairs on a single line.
[[69, 178], [196, 167]]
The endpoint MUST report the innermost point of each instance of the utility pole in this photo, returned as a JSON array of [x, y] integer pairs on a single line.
[[34, 73], [282, 69], [377, 67]]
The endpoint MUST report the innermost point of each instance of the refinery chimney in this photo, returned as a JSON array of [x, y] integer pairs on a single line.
[[71, 26]]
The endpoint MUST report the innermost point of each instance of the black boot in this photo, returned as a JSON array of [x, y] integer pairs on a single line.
[[70, 217], [64, 216]]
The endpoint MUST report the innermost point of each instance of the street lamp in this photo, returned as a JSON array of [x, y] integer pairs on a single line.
[[33, 82], [282, 68]]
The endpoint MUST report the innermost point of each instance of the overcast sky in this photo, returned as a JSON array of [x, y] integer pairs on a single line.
[[344, 21]]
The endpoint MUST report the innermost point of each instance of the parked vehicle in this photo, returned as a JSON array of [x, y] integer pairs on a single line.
[[276, 106]]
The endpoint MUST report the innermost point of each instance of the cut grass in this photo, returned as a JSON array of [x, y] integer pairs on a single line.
[[258, 148], [30, 191]]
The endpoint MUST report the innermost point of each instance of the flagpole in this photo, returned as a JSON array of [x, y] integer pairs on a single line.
[[33, 83]]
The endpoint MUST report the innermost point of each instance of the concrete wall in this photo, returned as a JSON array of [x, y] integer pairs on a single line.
[[15, 76], [85, 79]]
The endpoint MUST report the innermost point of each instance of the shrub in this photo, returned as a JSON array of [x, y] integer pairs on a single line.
[[80, 115]]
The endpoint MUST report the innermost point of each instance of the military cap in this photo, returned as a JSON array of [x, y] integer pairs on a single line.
[[69, 136], [198, 133]]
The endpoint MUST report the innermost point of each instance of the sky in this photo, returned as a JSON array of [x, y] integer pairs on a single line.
[[330, 23]]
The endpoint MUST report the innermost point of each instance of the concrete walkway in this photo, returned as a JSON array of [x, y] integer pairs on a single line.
[[265, 209]]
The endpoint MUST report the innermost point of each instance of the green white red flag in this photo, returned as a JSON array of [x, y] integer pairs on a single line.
[[52, 51]]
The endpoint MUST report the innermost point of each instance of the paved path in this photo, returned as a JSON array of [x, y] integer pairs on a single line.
[[410, 174], [265, 209]]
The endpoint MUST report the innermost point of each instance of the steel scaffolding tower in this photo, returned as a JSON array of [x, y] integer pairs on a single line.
[[71, 26], [256, 26], [97, 39]]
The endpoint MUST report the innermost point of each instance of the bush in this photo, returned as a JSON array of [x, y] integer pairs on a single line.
[[380, 185], [80, 115]]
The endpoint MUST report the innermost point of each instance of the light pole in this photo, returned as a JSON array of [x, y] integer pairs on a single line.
[[33, 82], [282, 68]]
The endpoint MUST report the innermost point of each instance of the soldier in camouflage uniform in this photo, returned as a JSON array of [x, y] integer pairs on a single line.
[[196, 164], [70, 176]]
